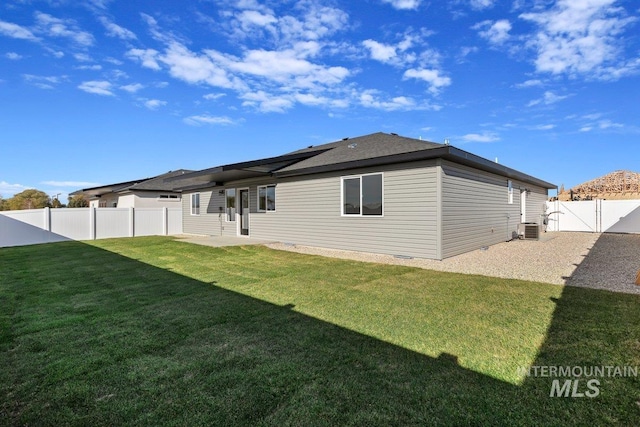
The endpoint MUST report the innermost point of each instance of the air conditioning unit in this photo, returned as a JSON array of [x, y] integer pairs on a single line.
[[530, 231]]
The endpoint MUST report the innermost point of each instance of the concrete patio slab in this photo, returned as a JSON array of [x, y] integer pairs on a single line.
[[220, 241]]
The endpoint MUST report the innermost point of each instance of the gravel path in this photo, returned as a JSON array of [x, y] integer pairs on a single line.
[[606, 261]]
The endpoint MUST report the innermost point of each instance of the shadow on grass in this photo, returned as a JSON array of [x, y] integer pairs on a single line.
[[93, 337]]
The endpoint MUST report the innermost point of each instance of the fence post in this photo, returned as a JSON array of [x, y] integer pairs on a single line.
[[47, 219], [165, 221], [132, 228], [92, 223]]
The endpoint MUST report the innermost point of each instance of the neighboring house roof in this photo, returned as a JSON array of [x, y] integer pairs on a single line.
[[156, 183], [365, 151]]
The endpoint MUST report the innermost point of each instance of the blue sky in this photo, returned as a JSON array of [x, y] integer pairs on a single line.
[[98, 91]]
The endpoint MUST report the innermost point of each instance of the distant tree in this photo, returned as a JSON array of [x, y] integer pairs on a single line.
[[78, 201], [29, 199], [3, 204], [55, 203]]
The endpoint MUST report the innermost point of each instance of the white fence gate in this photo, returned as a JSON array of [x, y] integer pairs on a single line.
[[33, 226], [597, 216]]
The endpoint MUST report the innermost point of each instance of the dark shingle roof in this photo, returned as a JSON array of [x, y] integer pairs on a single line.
[[156, 183], [372, 150], [360, 148]]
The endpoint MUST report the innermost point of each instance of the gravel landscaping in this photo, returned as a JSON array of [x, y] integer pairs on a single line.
[[603, 261]]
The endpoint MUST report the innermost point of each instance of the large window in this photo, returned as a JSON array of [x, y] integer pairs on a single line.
[[195, 204], [362, 195], [267, 198], [230, 197]]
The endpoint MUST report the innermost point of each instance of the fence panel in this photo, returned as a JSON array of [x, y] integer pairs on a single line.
[[72, 223], [148, 222], [112, 222], [174, 221], [620, 216], [606, 216], [578, 216], [28, 227], [15, 232]]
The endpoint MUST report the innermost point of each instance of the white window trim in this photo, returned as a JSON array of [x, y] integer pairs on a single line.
[[360, 215], [275, 195], [226, 208], [191, 206]]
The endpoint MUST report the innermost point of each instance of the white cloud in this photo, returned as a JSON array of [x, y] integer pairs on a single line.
[[9, 190], [496, 32], [433, 77], [268, 103], [481, 4], [212, 96], [115, 30], [132, 88], [529, 83], [480, 137], [44, 82], [97, 87], [55, 27], [370, 99], [13, 56], [208, 120], [89, 67], [544, 127], [547, 99], [250, 18], [75, 184], [582, 38], [380, 51], [147, 57], [16, 31], [154, 104], [404, 4], [607, 124]]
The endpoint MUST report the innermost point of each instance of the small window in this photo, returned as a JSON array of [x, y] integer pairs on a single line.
[[362, 195], [510, 192], [230, 203], [267, 198], [195, 204], [168, 197]]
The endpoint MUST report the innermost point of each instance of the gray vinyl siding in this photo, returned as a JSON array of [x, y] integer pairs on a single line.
[[308, 212], [209, 220], [536, 203], [475, 209]]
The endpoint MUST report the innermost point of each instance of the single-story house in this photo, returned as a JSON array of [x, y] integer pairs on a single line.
[[154, 192], [379, 193]]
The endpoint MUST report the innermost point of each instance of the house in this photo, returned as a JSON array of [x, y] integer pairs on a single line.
[[379, 193], [141, 193]]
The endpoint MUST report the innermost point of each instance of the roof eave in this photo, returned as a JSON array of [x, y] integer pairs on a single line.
[[445, 152]]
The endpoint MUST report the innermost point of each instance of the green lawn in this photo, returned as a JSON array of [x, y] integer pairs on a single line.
[[152, 331]]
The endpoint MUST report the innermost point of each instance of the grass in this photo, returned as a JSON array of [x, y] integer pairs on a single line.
[[151, 331]]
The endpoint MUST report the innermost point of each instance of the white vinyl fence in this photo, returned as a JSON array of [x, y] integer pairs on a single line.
[[28, 227], [597, 216]]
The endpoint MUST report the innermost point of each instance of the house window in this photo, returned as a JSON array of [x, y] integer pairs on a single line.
[[362, 195], [267, 198], [510, 192], [195, 204], [230, 203], [168, 197]]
